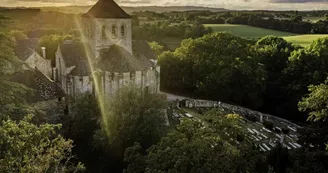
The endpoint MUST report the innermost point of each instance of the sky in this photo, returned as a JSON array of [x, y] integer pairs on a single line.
[[228, 4]]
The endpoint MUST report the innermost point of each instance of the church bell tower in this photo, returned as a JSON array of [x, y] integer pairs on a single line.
[[107, 24]]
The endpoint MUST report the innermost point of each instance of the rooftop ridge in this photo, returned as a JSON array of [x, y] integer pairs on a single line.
[[107, 9]]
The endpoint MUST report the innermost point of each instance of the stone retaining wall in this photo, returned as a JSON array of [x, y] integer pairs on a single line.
[[237, 109]]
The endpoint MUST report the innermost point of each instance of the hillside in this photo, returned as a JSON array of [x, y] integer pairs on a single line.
[[159, 9], [247, 31], [304, 40]]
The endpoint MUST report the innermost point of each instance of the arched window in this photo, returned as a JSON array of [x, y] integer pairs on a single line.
[[114, 31], [103, 31], [123, 31]]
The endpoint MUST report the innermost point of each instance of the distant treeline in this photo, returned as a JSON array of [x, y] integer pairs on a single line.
[[24, 9], [288, 21], [295, 24]]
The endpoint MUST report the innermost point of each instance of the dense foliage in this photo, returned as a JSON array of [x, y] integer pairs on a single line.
[[134, 117], [271, 75], [25, 147], [161, 30], [196, 147], [218, 66]]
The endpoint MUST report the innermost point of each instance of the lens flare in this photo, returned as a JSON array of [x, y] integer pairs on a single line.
[[95, 77]]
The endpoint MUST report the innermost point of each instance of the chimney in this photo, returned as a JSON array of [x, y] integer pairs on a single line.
[[44, 52], [54, 74]]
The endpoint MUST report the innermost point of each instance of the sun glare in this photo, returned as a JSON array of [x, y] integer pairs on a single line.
[[95, 78]]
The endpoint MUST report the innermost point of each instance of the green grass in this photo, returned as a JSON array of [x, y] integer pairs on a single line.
[[313, 19], [304, 40], [247, 31], [253, 33]]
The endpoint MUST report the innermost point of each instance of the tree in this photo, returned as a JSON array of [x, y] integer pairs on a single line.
[[297, 19], [192, 147], [134, 116], [80, 125], [18, 35], [273, 53], [51, 42], [157, 48], [25, 147], [316, 102], [10, 92], [135, 157], [306, 67], [205, 66], [316, 134]]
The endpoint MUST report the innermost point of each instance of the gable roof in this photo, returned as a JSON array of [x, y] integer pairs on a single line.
[[75, 54], [45, 89], [117, 59], [106, 9], [25, 48], [112, 59], [142, 49]]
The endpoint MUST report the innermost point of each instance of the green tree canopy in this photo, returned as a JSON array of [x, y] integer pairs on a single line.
[[134, 116], [10, 92], [157, 48], [18, 35], [26, 147], [218, 66], [273, 53], [316, 103], [51, 42], [196, 147]]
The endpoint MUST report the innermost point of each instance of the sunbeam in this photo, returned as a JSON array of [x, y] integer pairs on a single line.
[[95, 78]]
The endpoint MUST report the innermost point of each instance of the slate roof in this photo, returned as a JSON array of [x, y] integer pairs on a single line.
[[142, 49], [143, 52], [113, 59], [117, 59], [75, 54], [25, 48], [45, 89], [106, 9]]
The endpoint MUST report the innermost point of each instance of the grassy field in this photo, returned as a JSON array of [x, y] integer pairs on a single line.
[[304, 40], [247, 31], [313, 19], [252, 33]]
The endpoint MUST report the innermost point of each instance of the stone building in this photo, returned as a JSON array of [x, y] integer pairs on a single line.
[[107, 53], [26, 51]]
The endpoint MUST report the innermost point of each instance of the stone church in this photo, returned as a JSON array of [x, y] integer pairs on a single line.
[[107, 53], [106, 58]]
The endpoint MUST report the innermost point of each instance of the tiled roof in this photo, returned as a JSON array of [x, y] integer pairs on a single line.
[[45, 89], [106, 9], [24, 48], [142, 48], [143, 52], [113, 59], [75, 54], [117, 59]]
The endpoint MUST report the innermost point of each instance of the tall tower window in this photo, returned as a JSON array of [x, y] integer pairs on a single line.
[[114, 31], [103, 31], [123, 31]]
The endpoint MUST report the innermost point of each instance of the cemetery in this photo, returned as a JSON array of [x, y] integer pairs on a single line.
[[264, 130]]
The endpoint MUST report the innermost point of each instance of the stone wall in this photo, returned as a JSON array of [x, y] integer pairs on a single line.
[[237, 109], [61, 70], [93, 33], [42, 64], [110, 82]]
